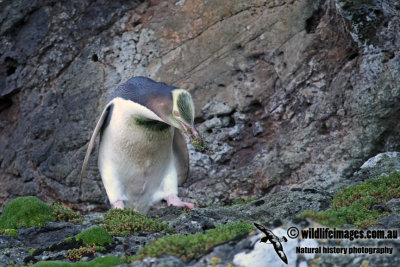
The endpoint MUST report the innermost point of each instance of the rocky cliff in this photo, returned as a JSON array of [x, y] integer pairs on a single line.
[[293, 96], [290, 92]]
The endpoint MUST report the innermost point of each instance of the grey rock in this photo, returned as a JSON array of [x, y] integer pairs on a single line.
[[13, 256], [131, 244], [93, 218], [226, 121], [394, 205], [235, 132], [51, 255], [210, 124], [53, 232], [221, 152], [198, 159], [391, 221], [167, 261], [215, 108], [193, 223], [240, 117], [7, 241], [381, 164], [257, 128]]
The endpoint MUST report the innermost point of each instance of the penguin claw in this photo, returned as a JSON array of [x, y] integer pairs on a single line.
[[174, 200], [119, 204]]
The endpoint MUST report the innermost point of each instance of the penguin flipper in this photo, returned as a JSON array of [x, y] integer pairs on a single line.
[[99, 125], [181, 156]]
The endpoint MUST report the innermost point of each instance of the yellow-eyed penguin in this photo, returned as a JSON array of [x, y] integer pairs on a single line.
[[143, 155]]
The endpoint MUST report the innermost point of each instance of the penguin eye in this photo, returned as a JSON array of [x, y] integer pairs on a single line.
[[176, 113]]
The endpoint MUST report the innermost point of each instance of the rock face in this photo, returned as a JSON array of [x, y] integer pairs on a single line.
[[288, 92]]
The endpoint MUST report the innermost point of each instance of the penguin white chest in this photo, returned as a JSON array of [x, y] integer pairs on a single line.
[[142, 145], [136, 160]]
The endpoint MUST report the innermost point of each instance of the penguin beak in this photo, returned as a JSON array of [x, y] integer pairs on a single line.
[[191, 132]]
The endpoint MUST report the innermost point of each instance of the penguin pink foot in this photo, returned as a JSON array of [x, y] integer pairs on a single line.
[[119, 204], [174, 200]]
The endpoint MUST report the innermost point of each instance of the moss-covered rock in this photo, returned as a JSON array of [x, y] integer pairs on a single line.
[[360, 205], [11, 232], [98, 262], [65, 214], [95, 235], [77, 254], [25, 212], [188, 247], [127, 221]]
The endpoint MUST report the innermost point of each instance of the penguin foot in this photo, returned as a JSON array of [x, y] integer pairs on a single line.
[[119, 204], [174, 200]]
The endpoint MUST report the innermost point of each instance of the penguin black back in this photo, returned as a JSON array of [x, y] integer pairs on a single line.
[[142, 90]]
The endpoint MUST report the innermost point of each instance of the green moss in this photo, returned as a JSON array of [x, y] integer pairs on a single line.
[[11, 232], [187, 247], [95, 235], [105, 261], [65, 214], [99, 248], [25, 212], [127, 221], [353, 205]]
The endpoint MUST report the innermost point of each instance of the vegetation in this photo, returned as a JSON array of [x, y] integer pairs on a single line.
[[78, 253], [31, 211], [95, 236], [127, 221], [11, 232], [105, 261], [199, 143], [65, 214], [187, 247], [243, 201], [354, 205], [25, 212]]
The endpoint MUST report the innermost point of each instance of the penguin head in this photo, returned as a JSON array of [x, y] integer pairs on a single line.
[[182, 115], [168, 104]]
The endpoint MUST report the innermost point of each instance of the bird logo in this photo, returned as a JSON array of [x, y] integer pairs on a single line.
[[274, 240]]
